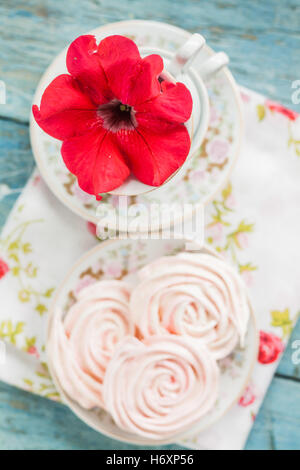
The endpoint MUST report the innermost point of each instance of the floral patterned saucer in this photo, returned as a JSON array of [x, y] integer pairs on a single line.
[[207, 170], [121, 259]]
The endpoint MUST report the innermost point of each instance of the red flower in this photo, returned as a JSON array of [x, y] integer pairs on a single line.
[[276, 107], [115, 115], [3, 268], [248, 397], [270, 347]]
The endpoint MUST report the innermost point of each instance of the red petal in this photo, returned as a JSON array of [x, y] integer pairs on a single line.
[[83, 63], [132, 79], [155, 156], [114, 49], [174, 104], [96, 161], [65, 110]]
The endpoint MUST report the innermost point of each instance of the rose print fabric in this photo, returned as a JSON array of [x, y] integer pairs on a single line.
[[253, 222]]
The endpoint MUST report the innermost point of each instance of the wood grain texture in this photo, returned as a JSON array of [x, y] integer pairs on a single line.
[[263, 42], [29, 422], [16, 163], [261, 38]]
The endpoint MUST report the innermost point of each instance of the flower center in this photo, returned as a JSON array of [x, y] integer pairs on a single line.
[[117, 116]]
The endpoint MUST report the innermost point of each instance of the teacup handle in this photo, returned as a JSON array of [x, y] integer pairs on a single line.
[[186, 54], [212, 65]]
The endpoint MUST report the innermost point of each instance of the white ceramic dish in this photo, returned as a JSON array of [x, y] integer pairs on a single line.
[[202, 175], [121, 259]]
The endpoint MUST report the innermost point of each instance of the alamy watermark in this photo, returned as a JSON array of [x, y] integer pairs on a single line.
[[155, 220], [296, 94], [296, 353]]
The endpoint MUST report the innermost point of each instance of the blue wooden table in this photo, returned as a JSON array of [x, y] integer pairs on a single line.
[[263, 42]]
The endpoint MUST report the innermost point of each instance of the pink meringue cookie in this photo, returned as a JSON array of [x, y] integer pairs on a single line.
[[195, 295], [160, 387], [81, 345]]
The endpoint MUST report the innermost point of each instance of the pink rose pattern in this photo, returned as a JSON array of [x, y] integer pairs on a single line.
[[32, 350], [242, 240], [215, 232], [248, 397], [113, 269], [247, 278], [218, 150], [83, 283], [270, 348]]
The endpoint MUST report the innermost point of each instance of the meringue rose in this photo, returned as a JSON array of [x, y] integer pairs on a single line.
[[116, 114], [195, 295], [81, 345], [161, 387]]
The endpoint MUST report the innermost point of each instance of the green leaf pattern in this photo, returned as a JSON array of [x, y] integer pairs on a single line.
[[233, 235], [42, 383], [23, 269]]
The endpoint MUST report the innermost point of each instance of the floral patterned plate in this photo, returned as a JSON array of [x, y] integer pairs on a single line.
[[121, 259], [206, 171]]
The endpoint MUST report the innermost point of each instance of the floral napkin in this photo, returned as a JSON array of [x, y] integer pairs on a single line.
[[254, 221]]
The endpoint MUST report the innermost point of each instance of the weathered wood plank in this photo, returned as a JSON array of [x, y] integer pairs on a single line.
[[30, 422], [16, 164], [277, 424], [262, 38]]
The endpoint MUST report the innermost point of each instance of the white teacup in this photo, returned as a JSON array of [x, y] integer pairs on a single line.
[[178, 68]]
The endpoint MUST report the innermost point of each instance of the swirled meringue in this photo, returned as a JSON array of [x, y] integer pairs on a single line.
[[195, 295], [81, 345], [160, 387]]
